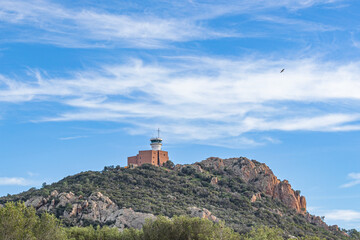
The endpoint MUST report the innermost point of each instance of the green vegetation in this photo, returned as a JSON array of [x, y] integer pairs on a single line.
[[18, 222], [177, 228], [166, 192]]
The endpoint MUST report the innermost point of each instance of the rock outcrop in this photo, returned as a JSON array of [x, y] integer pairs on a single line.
[[100, 209], [202, 213], [259, 175], [255, 197], [97, 208], [214, 181]]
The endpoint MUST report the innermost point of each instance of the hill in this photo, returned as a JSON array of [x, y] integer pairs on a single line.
[[244, 193]]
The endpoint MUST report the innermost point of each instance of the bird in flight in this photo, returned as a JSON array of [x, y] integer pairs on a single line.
[[282, 70]]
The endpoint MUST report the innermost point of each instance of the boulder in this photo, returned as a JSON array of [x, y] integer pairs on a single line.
[[202, 213], [54, 193], [128, 218], [35, 202], [255, 197]]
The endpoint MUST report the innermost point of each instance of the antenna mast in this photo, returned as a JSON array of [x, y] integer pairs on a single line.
[[158, 132]]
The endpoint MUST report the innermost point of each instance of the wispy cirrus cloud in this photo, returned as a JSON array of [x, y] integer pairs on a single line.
[[302, 25], [135, 25], [204, 98], [71, 138], [355, 180], [52, 23]]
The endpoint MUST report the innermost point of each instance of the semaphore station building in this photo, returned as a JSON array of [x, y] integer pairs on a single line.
[[156, 156]]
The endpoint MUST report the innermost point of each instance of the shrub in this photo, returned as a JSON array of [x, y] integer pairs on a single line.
[[179, 228], [263, 233]]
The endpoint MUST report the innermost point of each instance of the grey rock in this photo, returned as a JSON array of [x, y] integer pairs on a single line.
[[96, 208], [202, 213]]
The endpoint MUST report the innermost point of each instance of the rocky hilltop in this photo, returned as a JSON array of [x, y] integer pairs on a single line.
[[244, 193], [257, 174]]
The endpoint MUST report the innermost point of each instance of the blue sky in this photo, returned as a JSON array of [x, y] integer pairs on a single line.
[[84, 85]]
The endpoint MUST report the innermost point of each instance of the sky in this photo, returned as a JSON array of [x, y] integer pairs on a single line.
[[85, 84]]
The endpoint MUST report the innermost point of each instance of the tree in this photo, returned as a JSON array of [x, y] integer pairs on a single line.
[[264, 233], [169, 164], [20, 222], [353, 233]]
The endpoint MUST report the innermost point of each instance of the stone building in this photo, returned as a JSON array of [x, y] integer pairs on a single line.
[[156, 156]]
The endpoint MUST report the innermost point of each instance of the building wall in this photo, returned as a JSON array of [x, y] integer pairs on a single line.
[[163, 157], [145, 157], [132, 160], [150, 157]]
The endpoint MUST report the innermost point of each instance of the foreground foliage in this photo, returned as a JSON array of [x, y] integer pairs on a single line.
[[18, 222], [162, 228]]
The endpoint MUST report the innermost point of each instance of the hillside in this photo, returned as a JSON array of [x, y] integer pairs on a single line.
[[244, 193]]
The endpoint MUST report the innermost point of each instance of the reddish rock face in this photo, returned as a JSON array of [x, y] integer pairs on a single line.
[[302, 203], [260, 175], [288, 196]]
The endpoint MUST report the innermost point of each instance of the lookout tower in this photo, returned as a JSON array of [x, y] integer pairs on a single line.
[[156, 142], [155, 157]]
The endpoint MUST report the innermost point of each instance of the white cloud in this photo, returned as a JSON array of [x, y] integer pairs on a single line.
[[56, 24], [301, 25], [71, 138], [342, 215], [204, 98], [135, 25], [355, 180], [10, 181]]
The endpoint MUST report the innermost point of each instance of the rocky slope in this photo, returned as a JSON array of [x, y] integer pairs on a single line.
[[257, 174], [244, 193], [98, 209]]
